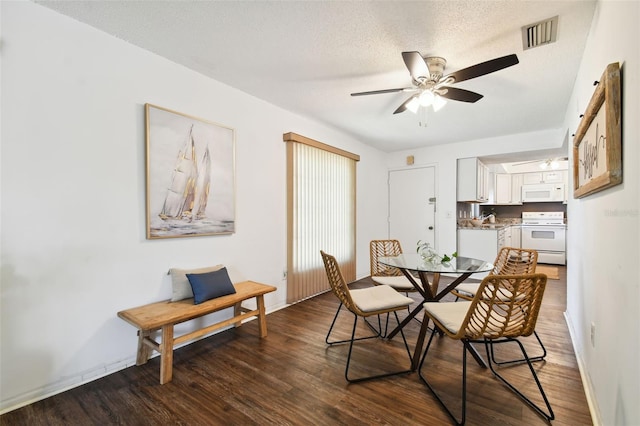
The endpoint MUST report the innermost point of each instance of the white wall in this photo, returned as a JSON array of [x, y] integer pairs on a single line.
[[73, 196], [604, 234]]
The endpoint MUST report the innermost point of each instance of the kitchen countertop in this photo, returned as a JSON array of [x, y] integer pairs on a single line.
[[489, 226]]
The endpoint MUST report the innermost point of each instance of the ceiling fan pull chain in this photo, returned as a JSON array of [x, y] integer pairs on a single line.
[[422, 121]]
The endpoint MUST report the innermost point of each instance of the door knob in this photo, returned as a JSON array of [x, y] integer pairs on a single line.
[[431, 228]]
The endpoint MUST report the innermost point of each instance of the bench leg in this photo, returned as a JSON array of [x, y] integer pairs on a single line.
[[144, 351], [166, 354], [237, 310], [262, 317]]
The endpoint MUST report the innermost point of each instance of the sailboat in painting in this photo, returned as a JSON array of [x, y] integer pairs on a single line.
[[190, 184], [203, 185]]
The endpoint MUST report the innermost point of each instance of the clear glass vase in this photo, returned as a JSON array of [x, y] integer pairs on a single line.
[[428, 253]]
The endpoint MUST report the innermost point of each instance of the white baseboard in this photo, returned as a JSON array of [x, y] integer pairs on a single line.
[[64, 385], [586, 382]]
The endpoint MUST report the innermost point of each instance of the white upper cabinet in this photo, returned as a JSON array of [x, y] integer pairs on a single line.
[[516, 188], [544, 177], [502, 189], [532, 178], [473, 181], [508, 188]]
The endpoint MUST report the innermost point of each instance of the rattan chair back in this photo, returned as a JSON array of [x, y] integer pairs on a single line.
[[383, 248], [513, 261], [338, 284], [504, 306]]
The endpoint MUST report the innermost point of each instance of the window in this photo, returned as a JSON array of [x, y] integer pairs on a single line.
[[321, 214]]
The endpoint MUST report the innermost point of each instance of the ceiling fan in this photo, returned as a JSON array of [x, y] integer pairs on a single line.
[[431, 86]]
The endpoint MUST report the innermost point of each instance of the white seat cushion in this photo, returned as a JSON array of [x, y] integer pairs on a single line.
[[379, 297], [469, 288], [449, 314], [472, 288], [399, 282]]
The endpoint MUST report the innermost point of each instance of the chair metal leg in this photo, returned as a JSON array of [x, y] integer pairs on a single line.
[[547, 415], [512, 361], [464, 381], [386, 326], [377, 376], [467, 347], [377, 332], [379, 329]]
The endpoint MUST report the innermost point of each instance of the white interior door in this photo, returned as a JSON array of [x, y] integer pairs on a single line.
[[412, 206]]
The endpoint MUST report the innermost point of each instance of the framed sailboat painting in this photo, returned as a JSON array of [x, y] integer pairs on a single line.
[[190, 169]]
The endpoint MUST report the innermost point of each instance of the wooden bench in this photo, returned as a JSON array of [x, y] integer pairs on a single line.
[[164, 315]]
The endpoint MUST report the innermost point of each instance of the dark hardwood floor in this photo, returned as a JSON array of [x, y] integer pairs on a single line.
[[293, 377]]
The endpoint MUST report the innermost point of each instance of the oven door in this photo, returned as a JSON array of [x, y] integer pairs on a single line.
[[544, 237]]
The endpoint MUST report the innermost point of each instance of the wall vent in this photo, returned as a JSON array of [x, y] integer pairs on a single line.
[[540, 33]]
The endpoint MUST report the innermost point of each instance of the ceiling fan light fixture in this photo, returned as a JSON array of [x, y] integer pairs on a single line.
[[438, 103], [426, 98], [413, 104], [553, 164]]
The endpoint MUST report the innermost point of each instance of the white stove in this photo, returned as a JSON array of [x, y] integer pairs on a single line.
[[543, 218], [545, 232]]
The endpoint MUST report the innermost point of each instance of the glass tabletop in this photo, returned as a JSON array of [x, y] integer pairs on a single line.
[[458, 265]]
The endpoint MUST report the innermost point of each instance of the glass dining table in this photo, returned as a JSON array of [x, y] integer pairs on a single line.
[[412, 263]]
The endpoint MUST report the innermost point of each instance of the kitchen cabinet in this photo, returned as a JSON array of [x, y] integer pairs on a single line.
[[557, 176], [502, 190], [516, 188], [516, 236], [478, 244], [504, 237], [508, 189], [472, 181], [486, 243]]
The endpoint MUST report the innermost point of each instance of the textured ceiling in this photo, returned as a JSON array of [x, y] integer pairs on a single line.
[[308, 56]]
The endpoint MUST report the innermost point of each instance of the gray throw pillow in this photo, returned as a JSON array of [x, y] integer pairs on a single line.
[[180, 283]]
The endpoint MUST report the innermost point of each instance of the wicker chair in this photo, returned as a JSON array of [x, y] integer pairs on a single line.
[[383, 274], [504, 308], [365, 302], [509, 261]]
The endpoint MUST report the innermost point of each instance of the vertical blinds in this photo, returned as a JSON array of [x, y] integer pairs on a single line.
[[321, 194]]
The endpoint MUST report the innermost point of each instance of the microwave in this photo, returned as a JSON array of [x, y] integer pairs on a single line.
[[543, 192]]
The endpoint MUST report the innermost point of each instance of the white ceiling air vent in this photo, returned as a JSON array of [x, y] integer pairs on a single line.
[[540, 33]]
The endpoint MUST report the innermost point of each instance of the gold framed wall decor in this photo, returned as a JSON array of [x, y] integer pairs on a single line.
[[190, 171], [597, 145]]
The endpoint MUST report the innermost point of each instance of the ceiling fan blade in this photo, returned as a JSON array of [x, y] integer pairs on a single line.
[[416, 65], [484, 68], [462, 95], [377, 92], [403, 107]]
